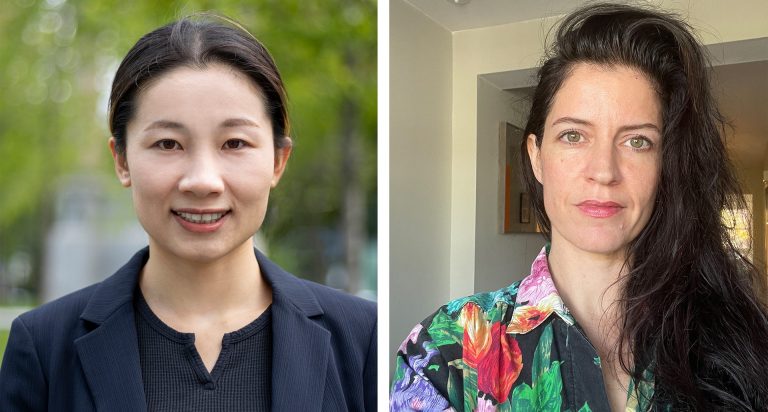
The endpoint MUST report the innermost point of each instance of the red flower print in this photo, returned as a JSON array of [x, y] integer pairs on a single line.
[[525, 318], [500, 366], [477, 335]]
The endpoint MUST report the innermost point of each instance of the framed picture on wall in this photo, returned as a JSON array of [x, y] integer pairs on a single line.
[[525, 208], [515, 212]]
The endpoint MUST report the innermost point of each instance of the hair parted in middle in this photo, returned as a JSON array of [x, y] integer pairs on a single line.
[[196, 41]]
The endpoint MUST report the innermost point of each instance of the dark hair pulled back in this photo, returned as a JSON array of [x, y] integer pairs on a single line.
[[689, 307], [196, 41]]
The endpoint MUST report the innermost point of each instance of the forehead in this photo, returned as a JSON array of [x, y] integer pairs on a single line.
[[209, 89], [606, 91]]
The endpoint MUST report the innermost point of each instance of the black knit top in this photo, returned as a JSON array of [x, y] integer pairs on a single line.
[[175, 378]]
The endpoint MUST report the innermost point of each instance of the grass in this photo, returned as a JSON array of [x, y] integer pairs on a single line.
[[3, 340]]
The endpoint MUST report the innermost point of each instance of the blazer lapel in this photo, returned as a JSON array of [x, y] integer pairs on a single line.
[[300, 351], [110, 359], [109, 353], [300, 347]]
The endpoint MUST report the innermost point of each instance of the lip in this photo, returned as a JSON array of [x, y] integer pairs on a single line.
[[200, 211], [201, 227], [598, 209]]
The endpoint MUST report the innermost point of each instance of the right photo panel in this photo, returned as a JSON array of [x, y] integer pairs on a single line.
[[578, 205]]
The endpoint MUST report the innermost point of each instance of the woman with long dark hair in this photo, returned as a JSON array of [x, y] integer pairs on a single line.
[[198, 320], [640, 300]]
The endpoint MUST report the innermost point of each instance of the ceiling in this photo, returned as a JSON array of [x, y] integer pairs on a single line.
[[741, 89], [742, 92], [485, 13]]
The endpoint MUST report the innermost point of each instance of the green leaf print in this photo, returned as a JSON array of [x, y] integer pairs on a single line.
[[505, 407], [469, 381], [585, 408], [399, 369], [523, 399], [485, 300], [541, 356], [495, 313], [444, 330], [470, 389], [454, 391], [549, 388], [546, 392]]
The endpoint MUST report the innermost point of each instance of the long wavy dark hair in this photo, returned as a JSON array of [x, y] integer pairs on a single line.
[[690, 310]]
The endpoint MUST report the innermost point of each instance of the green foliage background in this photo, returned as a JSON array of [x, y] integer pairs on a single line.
[[56, 62]]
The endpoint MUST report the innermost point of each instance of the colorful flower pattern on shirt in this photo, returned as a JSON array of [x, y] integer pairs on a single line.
[[504, 351]]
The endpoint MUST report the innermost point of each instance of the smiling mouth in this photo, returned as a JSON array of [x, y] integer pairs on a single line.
[[201, 218]]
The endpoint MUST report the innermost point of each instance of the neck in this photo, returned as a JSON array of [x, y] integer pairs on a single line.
[[180, 288], [590, 285]]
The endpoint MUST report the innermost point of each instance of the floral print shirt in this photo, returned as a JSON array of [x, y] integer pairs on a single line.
[[515, 349]]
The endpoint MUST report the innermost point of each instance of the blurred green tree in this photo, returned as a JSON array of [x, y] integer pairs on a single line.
[[57, 59]]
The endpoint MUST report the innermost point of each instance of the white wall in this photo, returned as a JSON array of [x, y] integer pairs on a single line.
[[519, 46], [420, 168], [500, 259], [752, 183], [443, 229]]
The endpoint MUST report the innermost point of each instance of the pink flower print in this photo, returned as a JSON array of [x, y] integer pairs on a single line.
[[538, 285], [411, 337], [485, 405]]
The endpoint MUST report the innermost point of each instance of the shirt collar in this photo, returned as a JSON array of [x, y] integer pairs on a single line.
[[537, 298]]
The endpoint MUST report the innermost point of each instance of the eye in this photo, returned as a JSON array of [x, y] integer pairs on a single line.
[[639, 143], [167, 144], [571, 136], [234, 144]]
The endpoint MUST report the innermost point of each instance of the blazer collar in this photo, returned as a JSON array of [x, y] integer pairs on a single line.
[[301, 346], [288, 289], [109, 353], [118, 289]]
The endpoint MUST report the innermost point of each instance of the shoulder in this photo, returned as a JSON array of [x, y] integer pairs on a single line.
[[490, 306], [341, 306], [58, 316], [316, 301], [444, 330]]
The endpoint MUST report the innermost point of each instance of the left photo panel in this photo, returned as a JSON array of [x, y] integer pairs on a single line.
[[188, 218]]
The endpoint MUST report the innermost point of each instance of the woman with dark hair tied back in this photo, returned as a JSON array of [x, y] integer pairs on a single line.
[[640, 301], [198, 320]]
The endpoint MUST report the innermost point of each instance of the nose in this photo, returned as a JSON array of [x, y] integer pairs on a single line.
[[202, 176], [603, 165]]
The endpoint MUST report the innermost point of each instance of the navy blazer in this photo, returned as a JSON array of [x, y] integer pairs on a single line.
[[80, 352]]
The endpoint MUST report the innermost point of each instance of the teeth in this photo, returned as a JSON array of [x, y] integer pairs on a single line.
[[200, 218]]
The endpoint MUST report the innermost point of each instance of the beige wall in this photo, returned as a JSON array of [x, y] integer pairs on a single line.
[[444, 240], [752, 183], [420, 168], [519, 46], [500, 259]]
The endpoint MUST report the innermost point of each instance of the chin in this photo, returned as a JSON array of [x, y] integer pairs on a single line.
[[593, 240], [603, 245], [202, 252]]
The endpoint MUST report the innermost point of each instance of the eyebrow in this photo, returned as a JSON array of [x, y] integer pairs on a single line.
[[167, 124], [624, 128]]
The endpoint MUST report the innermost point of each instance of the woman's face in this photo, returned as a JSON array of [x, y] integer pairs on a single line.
[[600, 158], [200, 162]]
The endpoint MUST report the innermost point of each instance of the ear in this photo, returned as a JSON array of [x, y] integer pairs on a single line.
[[533, 154], [281, 160], [121, 164]]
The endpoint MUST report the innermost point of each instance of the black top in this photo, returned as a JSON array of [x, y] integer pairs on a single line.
[[176, 379], [81, 352]]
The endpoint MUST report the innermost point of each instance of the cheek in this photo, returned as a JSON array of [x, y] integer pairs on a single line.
[[252, 176], [645, 179], [557, 177]]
